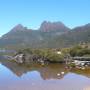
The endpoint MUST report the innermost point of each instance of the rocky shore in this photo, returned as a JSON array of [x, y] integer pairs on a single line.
[[29, 58], [37, 55], [75, 56]]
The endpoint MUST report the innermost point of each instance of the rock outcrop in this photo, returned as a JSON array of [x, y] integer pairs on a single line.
[[29, 58], [53, 26]]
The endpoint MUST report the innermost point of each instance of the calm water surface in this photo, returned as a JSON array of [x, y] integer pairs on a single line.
[[37, 77]]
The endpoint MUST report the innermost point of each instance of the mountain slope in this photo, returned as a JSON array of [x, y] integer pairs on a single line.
[[75, 36]]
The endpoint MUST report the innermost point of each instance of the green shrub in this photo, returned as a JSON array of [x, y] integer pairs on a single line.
[[79, 51], [50, 54]]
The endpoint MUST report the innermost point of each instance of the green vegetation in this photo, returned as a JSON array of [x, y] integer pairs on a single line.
[[48, 54], [79, 51], [52, 55]]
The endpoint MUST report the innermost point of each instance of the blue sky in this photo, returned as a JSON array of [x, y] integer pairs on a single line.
[[31, 13]]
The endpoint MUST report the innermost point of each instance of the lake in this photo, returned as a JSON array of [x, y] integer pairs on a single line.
[[14, 76]]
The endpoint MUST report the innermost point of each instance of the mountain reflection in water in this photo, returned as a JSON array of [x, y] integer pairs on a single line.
[[37, 77], [46, 72]]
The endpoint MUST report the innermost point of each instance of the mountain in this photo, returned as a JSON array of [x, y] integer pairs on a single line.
[[49, 35], [53, 26], [19, 35], [18, 27]]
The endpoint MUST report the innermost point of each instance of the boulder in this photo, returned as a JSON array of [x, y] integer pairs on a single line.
[[19, 58]]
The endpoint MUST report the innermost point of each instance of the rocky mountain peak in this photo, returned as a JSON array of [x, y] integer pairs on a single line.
[[18, 27], [47, 26]]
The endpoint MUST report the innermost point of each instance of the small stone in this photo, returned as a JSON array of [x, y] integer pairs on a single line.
[[62, 72], [83, 68], [58, 74]]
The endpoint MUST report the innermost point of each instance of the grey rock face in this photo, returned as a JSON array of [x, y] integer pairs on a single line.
[[19, 58], [53, 26]]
